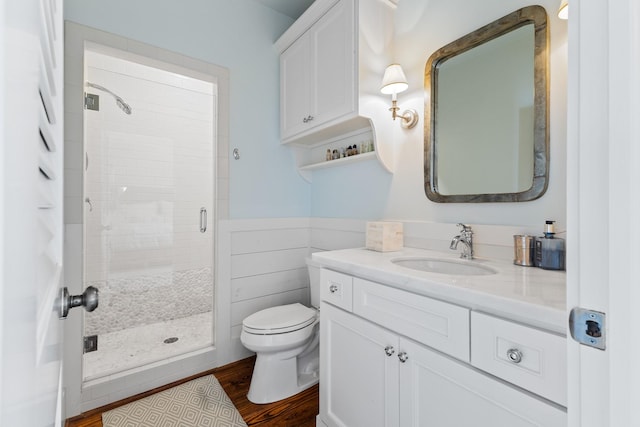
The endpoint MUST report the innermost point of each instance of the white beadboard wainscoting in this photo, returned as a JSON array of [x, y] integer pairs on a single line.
[[261, 262]]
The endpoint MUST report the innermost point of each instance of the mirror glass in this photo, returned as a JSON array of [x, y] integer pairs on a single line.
[[486, 137]]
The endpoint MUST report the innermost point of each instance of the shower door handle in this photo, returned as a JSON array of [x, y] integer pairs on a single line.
[[203, 220], [88, 300]]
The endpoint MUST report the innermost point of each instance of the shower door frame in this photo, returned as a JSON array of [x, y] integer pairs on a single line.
[[81, 397]]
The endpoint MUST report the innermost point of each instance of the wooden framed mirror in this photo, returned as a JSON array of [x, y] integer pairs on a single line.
[[486, 113]]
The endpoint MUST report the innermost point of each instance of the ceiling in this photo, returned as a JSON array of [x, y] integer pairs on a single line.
[[291, 8]]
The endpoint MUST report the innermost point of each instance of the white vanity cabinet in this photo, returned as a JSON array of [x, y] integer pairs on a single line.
[[394, 358], [318, 73]]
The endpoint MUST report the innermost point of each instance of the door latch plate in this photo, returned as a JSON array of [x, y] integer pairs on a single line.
[[90, 343], [588, 327]]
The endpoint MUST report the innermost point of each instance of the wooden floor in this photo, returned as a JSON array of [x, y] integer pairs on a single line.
[[296, 411]]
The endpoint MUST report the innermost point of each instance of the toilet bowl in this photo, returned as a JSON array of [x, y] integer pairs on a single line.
[[285, 339]]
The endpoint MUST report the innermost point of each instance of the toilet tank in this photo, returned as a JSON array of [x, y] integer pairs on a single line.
[[314, 281]]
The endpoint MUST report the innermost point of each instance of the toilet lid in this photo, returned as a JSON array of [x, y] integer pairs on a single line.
[[280, 319]]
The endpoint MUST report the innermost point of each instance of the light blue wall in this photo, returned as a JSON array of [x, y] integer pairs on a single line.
[[238, 35], [359, 190]]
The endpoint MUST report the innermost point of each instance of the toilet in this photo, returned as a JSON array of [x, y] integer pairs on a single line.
[[285, 339]]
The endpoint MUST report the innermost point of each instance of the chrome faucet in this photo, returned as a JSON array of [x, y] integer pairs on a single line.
[[466, 237]]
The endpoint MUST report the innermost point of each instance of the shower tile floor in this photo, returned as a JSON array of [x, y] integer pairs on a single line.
[[138, 346]]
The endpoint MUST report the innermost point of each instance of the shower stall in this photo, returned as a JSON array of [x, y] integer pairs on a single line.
[[149, 159]]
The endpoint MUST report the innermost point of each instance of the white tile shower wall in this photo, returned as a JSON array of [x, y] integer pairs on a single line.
[[148, 175]]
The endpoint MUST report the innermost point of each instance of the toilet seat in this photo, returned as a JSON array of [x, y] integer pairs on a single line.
[[279, 320]]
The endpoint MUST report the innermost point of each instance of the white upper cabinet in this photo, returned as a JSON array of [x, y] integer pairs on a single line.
[[329, 82], [318, 73]]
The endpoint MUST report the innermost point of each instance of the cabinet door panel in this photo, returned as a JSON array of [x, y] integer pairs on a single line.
[[438, 391], [358, 381], [295, 87], [333, 64]]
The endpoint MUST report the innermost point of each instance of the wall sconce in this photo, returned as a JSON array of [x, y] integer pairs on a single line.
[[563, 10], [394, 82]]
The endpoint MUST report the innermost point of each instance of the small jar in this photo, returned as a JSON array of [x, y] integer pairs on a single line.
[[329, 156]]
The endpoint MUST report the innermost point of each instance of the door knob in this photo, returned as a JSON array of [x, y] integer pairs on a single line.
[[88, 300]]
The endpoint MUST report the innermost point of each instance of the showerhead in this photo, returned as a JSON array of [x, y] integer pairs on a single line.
[[123, 105], [119, 101]]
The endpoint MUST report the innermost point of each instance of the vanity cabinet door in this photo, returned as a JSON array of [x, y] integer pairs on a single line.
[[436, 390], [359, 371]]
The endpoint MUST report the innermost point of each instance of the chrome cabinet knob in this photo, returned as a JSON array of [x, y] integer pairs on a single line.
[[514, 355], [333, 289], [389, 350], [88, 300], [403, 357]]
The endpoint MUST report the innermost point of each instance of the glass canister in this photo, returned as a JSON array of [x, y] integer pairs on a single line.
[[524, 250]]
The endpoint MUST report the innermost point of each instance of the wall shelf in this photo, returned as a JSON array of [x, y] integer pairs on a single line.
[[351, 103], [339, 162]]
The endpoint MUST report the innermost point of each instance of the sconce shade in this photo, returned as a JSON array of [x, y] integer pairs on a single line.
[[394, 80], [563, 10]]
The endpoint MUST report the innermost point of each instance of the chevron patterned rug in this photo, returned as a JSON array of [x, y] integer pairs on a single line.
[[201, 402]]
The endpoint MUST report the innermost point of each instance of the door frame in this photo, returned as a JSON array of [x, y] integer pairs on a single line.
[[603, 183], [79, 397]]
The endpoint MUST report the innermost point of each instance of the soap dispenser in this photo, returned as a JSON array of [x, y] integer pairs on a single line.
[[550, 249]]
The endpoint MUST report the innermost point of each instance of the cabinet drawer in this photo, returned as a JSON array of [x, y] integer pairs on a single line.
[[530, 358], [336, 288], [437, 324]]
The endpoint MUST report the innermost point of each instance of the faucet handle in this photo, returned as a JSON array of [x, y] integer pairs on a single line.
[[464, 228]]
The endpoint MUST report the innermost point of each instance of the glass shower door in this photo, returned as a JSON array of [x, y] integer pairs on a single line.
[[148, 234]]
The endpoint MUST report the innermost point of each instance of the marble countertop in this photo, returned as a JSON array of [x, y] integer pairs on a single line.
[[527, 295]]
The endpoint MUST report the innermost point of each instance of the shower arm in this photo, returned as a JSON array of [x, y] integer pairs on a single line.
[[123, 105], [102, 88]]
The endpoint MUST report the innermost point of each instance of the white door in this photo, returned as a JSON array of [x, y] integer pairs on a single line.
[[31, 138], [603, 171]]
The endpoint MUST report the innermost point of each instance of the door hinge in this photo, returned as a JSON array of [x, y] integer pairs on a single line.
[[588, 327], [91, 101], [90, 343]]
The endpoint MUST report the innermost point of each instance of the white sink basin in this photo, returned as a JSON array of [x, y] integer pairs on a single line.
[[445, 266]]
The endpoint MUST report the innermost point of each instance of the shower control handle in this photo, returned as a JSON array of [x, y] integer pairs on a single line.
[[203, 220], [88, 300]]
